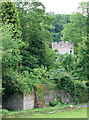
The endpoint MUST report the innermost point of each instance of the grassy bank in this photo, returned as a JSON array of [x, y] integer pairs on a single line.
[[62, 111], [78, 113]]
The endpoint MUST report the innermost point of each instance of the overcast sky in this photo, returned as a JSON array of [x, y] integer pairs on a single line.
[[61, 6]]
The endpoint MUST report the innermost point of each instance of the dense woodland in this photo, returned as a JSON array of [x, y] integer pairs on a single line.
[[27, 58]]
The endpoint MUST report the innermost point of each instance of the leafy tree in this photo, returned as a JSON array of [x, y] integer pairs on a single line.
[[76, 29], [87, 43], [59, 21], [82, 60], [64, 81], [11, 47], [69, 62], [9, 12], [82, 8], [10, 57], [41, 76], [34, 24]]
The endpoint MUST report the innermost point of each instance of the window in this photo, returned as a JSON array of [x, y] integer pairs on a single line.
[[71, 51]]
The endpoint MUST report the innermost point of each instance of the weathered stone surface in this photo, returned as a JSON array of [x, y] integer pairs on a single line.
[[63, 47], [28, 102], [19, 102], [14, 102], [23, 102], [71, 106]]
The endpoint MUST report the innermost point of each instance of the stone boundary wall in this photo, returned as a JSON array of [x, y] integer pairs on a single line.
[[19, 102], [28, 101], [14, 102], [24, 102], [55, 95]]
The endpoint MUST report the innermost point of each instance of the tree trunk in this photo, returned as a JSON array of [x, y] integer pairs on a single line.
[[18, 64]]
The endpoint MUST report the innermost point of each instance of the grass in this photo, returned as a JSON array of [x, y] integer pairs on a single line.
[[77, 113], [59, 112], [80, 113]]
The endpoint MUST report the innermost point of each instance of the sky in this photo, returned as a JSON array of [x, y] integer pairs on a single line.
[[61, 6]]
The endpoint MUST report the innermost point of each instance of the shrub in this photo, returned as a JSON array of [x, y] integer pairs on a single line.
[[4, 112], [53, 103]]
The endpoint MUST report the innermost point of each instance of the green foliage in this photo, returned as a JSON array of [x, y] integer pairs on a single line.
[[35, 22], [82, 60], [81, 92], [40, 91], [49, 57], [12, 81], [65, 82], [68, 62], [76, 29], [11, 47], [76, 32], [40, 113], [53, 103], [16, 82], [9, 12], [87, 44], [82, 8], [4, 112], [59, 21], [31, 60], [19, 57], [41, 76]]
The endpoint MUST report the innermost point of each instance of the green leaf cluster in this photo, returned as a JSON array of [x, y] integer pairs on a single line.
[[9, 12], [27, 32]]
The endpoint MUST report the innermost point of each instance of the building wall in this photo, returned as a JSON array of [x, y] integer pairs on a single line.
[[28, 101], [50, 95], [55, 95], [25, 102], [63, 47], [14, 102], [19, 102]]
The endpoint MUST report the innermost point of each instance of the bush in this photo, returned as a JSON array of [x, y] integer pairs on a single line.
[[4, 112], [53, 103]]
